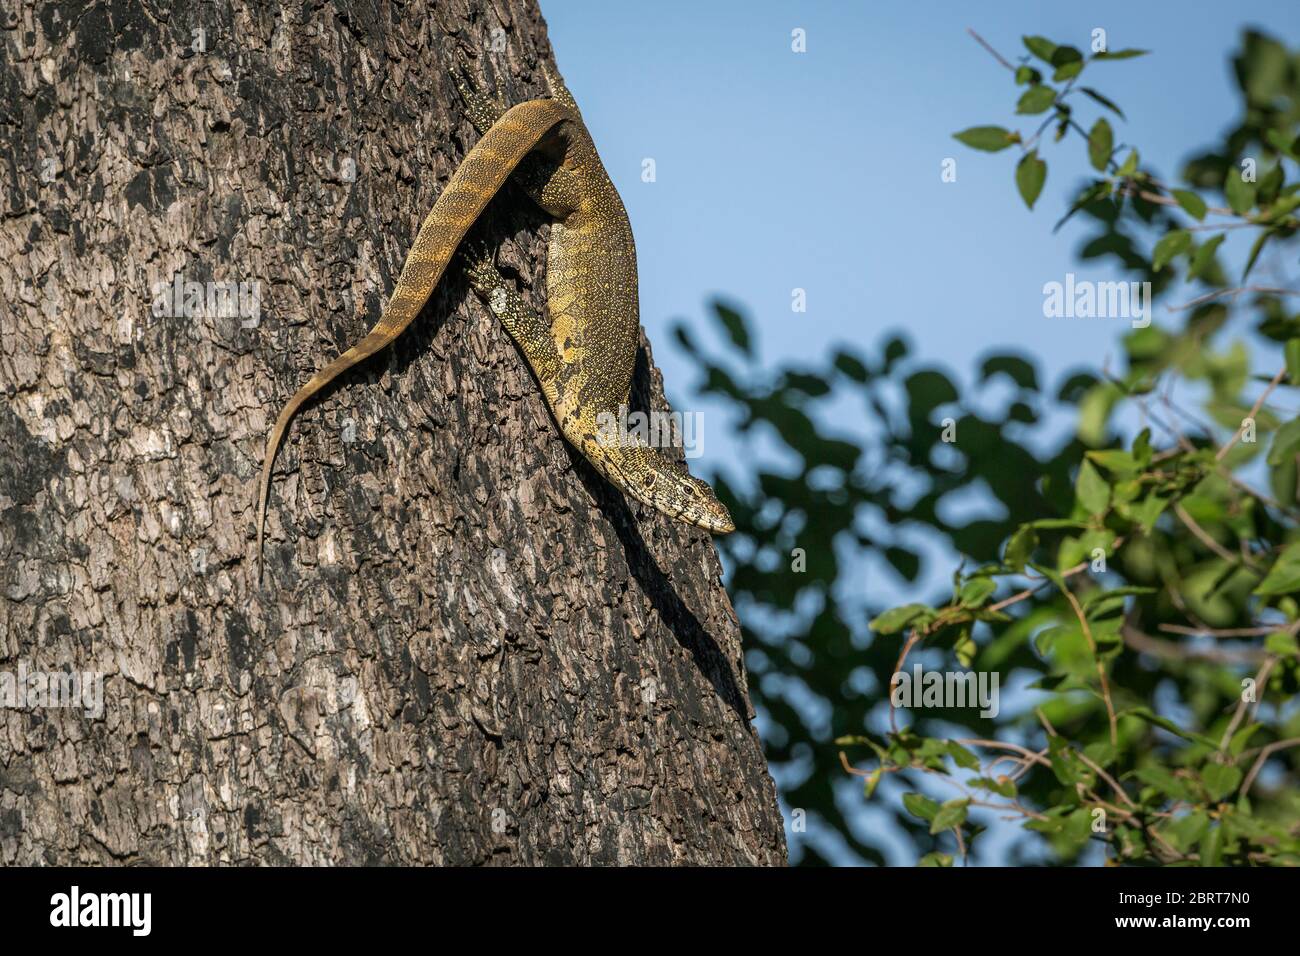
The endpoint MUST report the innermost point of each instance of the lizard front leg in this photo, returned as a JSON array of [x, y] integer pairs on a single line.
[[529, 329]]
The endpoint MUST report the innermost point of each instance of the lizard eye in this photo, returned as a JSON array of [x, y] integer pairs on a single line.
[[649, 480]]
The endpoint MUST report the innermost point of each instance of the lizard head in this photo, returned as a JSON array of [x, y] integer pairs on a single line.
[[682, 496]]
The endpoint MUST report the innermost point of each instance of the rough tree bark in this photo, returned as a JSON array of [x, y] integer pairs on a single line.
[[467, 647]]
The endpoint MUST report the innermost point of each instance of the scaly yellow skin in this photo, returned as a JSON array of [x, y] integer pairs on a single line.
[[584, 357]]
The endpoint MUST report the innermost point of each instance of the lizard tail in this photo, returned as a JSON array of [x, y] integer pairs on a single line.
[[478, 178]]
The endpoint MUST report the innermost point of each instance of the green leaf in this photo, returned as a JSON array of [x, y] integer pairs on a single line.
[[991, 139], [1283, 143], [1285, 443], [1100, 598], [1098, 98], [1191, 203], [1036, 99], [963, 757], [951, 814], [684, 339], [1057, 523], [1164, 781], [1239, 193], [734, 324], [1013, 367], [894, 620], [895, 349], [1067, 767], [1031, 173], [1282, 644], [935, 859], [850, 365], [1211, 848], [1242, 736], [1121, 54], [1040, 47], [1100, 189], [1130, 164], [976, 591], [1003, 786], [1092, 489], [1142, 450], [965, 648], [919, 805], [1101, 143], [1279, 210], [1204, 256], [1182, 832], [1145, 713], [1171, 244], [1100, 752], [1284, 576], [1020, 547], [871, 782], [1117, 461], [1263, 68], [1148, 510], [1027, 74], [1255, 250], [1220, 780]]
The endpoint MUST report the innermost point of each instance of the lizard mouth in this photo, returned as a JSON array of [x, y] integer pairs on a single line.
[[694, 503], [680, 496], [718, 525]]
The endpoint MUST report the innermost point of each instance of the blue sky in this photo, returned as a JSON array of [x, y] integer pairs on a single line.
[[821, 170]]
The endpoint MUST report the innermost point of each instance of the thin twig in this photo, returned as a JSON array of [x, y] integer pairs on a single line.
[[1101, 667], [996, 55], [1160, 200], [1263, 757], [910, 643], [1254, 410], [1031, 591], [1107, 777], [1220, 293], [1261, 678], [1218, 631], [1202, 535], [1141, 641]]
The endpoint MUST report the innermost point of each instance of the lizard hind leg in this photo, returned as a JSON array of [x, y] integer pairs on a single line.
[[482, 108]]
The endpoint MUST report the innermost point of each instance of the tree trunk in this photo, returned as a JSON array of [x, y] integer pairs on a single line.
[[467, 647]]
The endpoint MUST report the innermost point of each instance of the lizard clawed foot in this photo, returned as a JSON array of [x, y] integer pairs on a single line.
[[481, 269], [482, 108], [559, 92], [501, 298]]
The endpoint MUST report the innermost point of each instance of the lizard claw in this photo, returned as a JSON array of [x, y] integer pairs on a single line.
[[555, 85], [480, 267], [482, 108]]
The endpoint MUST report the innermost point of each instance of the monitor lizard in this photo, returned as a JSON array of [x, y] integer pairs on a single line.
[[583, 357]]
